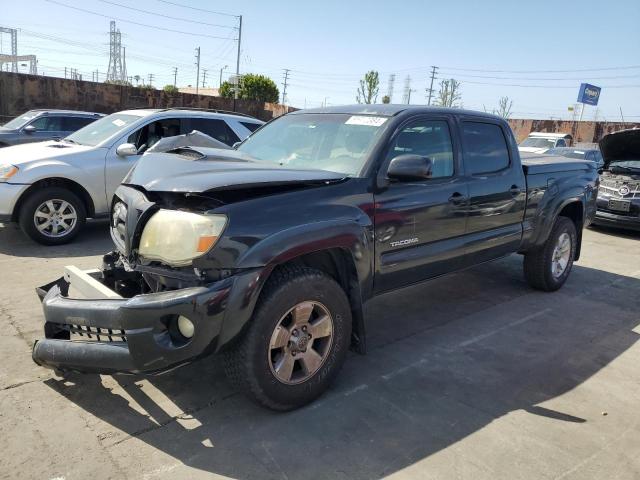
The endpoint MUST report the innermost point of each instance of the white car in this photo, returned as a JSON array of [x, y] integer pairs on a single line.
[[51, 187], [540, 142]]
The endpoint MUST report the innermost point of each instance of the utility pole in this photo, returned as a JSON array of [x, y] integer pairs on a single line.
[[198, 71], [433, 77], [204, 76], [222, 70], [175, 75], [65, 72], [284, 89], [235, 96], [151, 79]]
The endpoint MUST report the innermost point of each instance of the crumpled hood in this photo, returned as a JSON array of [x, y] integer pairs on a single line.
[[33, 152], [622, 145], [218, 170]]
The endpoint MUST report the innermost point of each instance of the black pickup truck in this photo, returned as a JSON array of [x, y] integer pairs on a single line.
[[267, 252]]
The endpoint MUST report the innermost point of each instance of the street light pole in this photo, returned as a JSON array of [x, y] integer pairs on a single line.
[[221, 70]]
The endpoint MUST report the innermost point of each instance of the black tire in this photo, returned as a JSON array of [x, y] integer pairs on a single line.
[[538, 263], [26, 216], [249, 364]]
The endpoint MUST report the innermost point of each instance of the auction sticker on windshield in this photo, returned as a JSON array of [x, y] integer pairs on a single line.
[[366, 120]]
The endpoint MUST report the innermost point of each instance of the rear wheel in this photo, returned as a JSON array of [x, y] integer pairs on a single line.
[[52, 216], [297, 340], [548, 267]]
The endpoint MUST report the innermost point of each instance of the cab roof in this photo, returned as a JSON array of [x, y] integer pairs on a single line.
[[390, 110]]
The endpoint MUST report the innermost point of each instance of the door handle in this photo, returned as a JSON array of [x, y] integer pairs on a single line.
[[515, 190], [457, 198]]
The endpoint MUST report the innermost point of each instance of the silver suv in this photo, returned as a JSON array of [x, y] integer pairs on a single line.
[[39, 125], [51, 188]]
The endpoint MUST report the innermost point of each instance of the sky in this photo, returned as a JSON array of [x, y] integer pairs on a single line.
[[535, 53]]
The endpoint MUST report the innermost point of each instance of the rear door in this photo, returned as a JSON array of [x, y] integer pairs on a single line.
[[71, 124], [497, 190], [419, 225], [214, 127]]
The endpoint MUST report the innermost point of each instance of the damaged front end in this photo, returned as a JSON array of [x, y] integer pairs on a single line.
[[136, 315]]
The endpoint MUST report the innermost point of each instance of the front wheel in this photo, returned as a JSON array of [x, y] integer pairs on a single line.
[[52, 215], [547, 268], [296, 342]]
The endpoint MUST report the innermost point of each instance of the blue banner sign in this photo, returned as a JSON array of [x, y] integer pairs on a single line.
[[589, 94]]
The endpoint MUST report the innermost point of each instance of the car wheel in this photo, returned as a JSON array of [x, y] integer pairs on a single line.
[[296, 341], [548, 267], [52, 216]]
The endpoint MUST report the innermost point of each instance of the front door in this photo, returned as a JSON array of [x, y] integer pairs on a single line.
[[420, 225], [143, 138]]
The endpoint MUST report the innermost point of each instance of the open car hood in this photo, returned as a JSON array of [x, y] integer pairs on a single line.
[[206, 170], [622, 145]]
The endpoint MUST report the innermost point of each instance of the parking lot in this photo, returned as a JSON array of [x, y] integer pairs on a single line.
[[471, 376]]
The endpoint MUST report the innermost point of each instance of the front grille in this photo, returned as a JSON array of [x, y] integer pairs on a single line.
[[611, 188], [95, 333]]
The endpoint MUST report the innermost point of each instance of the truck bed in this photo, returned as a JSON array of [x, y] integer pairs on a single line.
[[536, 163]]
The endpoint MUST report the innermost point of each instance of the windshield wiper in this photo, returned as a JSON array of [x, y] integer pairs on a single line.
[[70, 141]]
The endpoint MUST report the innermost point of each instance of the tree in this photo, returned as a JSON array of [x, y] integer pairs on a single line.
[[449, 94], [119, 82], [504, 107], [368, 90], [252, 87], [170, 89], [137, 79], [386, 99]]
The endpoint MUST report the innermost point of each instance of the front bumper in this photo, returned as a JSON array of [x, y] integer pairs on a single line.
[[9, 195], [609, 219], [134, 335]]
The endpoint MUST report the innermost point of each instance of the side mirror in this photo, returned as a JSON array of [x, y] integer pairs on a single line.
[[126, 150], [408, 167], [29, 129]]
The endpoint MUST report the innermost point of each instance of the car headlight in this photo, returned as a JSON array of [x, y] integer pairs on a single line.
[[7, 171], [176, 238]]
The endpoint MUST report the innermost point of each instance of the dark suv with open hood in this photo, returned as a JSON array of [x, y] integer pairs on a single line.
[[619, 193], [266, 253]]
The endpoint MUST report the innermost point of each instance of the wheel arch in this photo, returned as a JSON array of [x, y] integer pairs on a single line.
[[71, 185]]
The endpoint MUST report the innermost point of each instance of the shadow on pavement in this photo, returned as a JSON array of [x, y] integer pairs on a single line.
[[438, 370], [94, 239], [618, 232]]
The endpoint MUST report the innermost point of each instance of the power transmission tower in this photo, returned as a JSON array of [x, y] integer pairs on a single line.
[[392, 80], [151, 79], [430, 89], [198, 71], [175, 75], [114, 70], [204, 76], [406, 95], [13, 59], [285, 83]]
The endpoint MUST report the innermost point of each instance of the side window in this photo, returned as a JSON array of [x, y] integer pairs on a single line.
[[147, 136], [485, 148], [427, 138], [252, 127], [71, 124], [561, 143], [47, 124], [215, 128]]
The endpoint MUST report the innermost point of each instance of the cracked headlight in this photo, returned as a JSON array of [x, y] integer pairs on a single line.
[[7, 171], [176, 238]]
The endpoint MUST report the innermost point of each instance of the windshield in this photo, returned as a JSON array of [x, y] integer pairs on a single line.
[[332, 142], [625, 165], [538, 142], [20, 121], [567, 153], [102, 129]]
